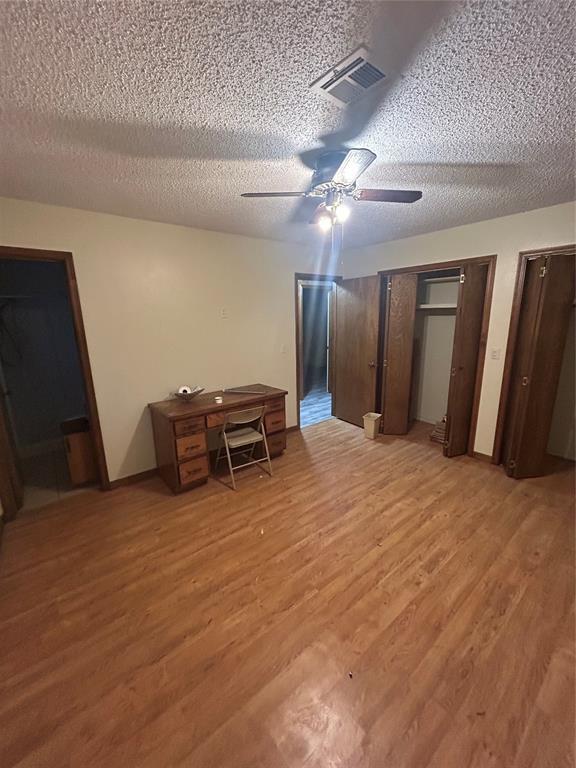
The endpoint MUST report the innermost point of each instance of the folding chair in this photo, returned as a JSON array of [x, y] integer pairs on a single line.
[[237, 436]]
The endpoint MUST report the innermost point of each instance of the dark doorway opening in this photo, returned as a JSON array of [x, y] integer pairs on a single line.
[[50, 439], [315, 324]]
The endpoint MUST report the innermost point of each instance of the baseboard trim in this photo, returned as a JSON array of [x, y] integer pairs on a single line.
[[131, 479], [482, 457], [295, 428]]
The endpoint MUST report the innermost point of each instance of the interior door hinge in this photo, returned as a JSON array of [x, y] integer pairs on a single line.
[[389, 285], [544, 268], [385, 364], [462, 278]]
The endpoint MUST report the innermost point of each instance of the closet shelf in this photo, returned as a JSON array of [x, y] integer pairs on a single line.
[[436, 306], [450, 279]]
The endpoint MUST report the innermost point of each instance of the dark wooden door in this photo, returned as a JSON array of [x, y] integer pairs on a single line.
[[399, 321], [11, 491], [544, 317], [465, 355], [300, 340], [330, 350], [356, 321]]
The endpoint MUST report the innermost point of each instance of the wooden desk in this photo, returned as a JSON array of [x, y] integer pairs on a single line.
[[180, 428]]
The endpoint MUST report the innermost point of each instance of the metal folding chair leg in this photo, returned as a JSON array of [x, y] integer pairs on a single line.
[[267, 451], [230, 466]]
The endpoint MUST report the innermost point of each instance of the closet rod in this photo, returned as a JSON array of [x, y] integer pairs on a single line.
[[451, 279]]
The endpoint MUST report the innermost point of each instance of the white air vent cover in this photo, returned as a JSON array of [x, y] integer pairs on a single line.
[[350, 79]]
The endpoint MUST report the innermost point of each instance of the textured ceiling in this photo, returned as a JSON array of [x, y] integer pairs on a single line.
[[168, 110]]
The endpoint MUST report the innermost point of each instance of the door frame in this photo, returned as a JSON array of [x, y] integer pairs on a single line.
[[65, 257], [513, 329], [490, 261], [303, 277]]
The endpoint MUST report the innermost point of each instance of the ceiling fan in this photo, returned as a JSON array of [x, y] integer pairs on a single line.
[[334, 179]]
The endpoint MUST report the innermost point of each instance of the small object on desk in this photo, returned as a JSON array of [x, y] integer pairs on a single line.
[[250, 390], [188, 393]]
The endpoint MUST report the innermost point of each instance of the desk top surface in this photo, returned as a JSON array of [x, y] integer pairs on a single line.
[[205, 403]]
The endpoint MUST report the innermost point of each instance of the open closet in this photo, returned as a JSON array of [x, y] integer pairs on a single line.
[[436, 302], [410, 344], [536, 415], [434, 336]]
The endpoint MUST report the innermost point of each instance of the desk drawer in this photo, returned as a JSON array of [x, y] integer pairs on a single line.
[[193, 424], [277, 404], [193, 470], [275, 422], [191, 445], [277, 443], [215, 419]]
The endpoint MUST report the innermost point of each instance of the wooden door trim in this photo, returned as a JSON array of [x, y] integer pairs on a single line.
[[523, 258], [440, 265], [36, 254], [304, 276]]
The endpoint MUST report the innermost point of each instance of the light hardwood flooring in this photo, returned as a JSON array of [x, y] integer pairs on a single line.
[[372, 605], [315, 407]]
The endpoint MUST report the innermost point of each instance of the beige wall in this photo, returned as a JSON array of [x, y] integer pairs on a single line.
[[505, 237], [435, 333], [152, 296]]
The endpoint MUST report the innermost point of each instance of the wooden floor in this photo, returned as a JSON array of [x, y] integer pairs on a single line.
[[373, 604], [316, 406]]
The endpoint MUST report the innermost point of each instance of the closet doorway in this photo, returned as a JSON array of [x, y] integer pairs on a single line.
[[49, 430], [434, 325], [535, 432], [314, 347]]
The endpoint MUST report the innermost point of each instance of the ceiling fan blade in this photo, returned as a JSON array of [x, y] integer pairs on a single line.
[[273, 194], [353, 166], [387, 195]]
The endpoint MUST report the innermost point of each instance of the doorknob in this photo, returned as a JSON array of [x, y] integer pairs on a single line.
[[371, 364]]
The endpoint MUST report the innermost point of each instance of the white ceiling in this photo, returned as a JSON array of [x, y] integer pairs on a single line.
[[169, 110]]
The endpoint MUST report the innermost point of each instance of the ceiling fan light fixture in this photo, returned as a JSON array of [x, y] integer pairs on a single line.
[[324, 221], [341, 213]]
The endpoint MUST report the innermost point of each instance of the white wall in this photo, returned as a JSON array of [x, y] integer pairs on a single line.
[[151, 297], [505, 237], [434, 333]]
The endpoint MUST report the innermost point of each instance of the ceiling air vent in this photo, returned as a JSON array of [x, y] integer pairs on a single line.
[[350, 79]]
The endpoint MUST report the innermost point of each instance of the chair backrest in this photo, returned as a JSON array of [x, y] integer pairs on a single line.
[[236, 418]]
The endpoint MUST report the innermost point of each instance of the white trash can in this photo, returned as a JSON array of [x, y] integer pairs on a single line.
[[372, 424]]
